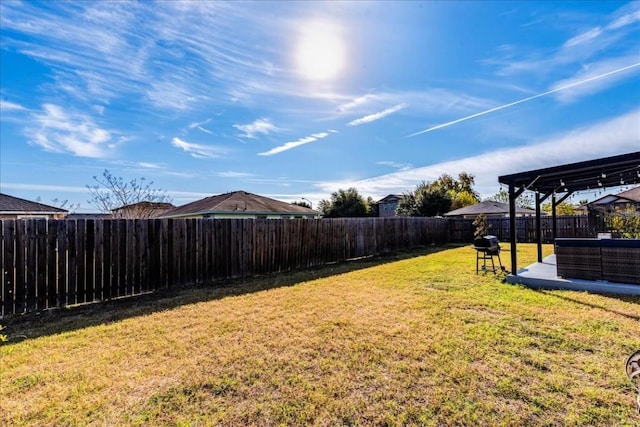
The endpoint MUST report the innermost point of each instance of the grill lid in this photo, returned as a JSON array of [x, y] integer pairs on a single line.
[[486, 242]]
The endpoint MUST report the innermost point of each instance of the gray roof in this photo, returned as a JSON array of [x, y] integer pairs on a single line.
[[489, 207], [238, 202], [632, 195], [11, 204], [146, 205], [390, 198]]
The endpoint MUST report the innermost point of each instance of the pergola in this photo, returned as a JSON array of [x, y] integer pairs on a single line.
[[559, 182]]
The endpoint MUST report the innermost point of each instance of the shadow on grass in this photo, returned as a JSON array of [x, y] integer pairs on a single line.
[[34, 325], [626, 298]]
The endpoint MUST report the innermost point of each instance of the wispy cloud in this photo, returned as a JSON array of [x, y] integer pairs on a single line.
[[573, 89], [376, 116], [293, 144], [584, 37], [198, 125], [204, 130], [260, 126], [111, 50], [148, 165], [530, 98], [356, 102], [602, 37], [63, 131], [395, 165], [143, 165], [43, 187], [10, 106], [610, 137], [626, 15], [232, 174], [198, 150]]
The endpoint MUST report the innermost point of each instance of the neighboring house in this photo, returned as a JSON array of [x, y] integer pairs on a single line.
[[16, 208], [240, 204], [629, 199], [489, 208], [624, 204], [142, 210], [386, 207]]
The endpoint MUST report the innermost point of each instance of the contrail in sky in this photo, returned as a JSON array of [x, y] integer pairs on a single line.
[[549, 92]]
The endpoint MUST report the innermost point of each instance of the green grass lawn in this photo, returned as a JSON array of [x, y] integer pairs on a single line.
[[418, 339]]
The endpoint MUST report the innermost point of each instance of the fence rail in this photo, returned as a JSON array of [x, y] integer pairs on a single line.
[[56, 263]]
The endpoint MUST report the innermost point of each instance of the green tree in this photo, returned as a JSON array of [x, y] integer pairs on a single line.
[[523, 201], [62, 204], [302, 203], [346, 203], [464, 184], [561, 209], [626, 221], [440, 196], [426, 200], [462, 199]]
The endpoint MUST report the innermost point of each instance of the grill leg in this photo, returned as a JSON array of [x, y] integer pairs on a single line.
[[484, 256]]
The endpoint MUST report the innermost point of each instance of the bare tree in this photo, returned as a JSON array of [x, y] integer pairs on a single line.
[[127, 199], [62, 204]]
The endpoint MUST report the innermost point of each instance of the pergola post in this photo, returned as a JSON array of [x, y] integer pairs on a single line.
[[512, 227], [538, 227], [554, 224], [539, 201]]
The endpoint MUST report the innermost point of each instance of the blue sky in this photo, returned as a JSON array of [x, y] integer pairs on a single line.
[[295, 100]]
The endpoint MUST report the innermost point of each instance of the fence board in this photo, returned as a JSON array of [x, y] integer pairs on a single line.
[[98, 263], [106, 259], [89, 261], [128, 258], [81, 269], [8, 282], [19, 283], [62, 264], [72, 254], [52, 263], [169, 255], [41, 261], [31, 266]]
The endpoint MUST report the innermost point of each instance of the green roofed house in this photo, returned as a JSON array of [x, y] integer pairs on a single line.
[[16, 208], [240, 204]]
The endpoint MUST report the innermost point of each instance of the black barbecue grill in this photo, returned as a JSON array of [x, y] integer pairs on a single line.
[[486, 248]]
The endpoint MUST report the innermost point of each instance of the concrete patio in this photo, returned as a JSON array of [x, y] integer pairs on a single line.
[[543, 275]]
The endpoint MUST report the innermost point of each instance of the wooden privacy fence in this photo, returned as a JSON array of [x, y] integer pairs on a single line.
[[56, 263], [567, 226]]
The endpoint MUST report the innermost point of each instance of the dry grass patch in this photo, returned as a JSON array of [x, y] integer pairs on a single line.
[[413, 341]]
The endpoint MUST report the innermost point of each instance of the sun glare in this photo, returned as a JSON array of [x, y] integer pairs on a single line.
[[320, 53]]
